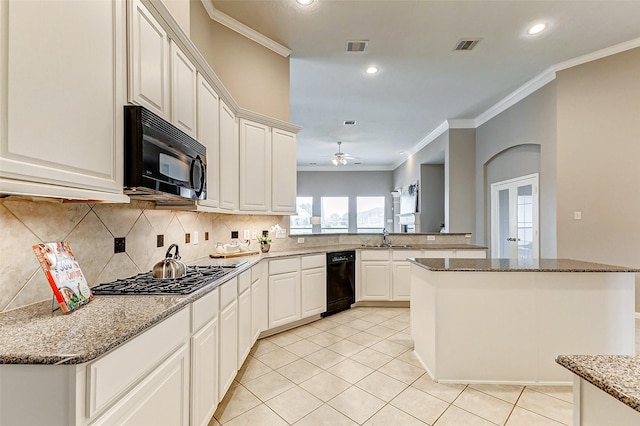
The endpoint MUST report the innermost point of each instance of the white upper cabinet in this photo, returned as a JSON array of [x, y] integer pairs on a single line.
[[62, 87], [208, 135], [255, 166], [229, 159], [149, 83], [283, 171], [183, 91]]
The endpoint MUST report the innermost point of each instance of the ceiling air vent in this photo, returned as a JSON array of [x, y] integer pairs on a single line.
[[357, 46], [467, 44], [349, 122]]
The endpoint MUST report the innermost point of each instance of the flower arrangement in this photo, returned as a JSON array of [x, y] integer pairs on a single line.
[[263, 239]]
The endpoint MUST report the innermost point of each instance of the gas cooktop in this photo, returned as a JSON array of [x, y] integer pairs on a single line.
[[145, 284]]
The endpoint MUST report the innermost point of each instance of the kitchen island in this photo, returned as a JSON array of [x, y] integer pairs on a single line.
[[505, 321]]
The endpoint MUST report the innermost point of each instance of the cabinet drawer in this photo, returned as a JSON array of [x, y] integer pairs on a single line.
[[204, 310], [244, 281], [381, 254], [439, 254], [112, 375], [228, 292], [257, 271], [316, 261], [281, 266], [403, 254]]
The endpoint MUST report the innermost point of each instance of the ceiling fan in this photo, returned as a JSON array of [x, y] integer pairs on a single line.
[[340, 158]]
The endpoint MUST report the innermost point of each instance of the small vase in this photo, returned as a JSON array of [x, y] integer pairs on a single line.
[[264, 247]]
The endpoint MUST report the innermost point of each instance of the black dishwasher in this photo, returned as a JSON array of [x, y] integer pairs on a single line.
[[341, 281]]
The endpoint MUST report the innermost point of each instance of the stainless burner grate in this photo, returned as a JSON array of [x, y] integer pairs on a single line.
[[145, 284]]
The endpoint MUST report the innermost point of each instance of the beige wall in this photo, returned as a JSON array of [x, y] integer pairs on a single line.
[[256, 77], [180, 10], [460, 197], [599, 160]]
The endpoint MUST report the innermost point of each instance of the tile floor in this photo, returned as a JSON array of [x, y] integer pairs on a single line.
[[358, 367]]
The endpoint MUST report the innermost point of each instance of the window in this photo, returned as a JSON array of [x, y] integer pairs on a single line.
[[370, 214], [301, 223], [335, 215]]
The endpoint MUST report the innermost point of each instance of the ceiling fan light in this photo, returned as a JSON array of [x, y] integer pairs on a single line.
[[335, 161], [343, 161]]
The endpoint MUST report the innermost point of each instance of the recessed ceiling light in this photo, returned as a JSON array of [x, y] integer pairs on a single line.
[[372, 70], [401, 152], [537, 28], [304, 2]]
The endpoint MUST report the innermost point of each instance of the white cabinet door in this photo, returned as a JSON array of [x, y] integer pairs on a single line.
[[204, 374], [471, 254], [183, 91], [162, 398], [284, 298], [229, 159], [314, 292], [244, 326], [259, 303], [255, 166], [401, 281], [228, 347], [62, 76], [148, 61], [208, 135], [374, 278], [283, 171]]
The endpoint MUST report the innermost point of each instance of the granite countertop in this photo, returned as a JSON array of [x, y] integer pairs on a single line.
[[516, 265], [617, 375], [36, 335]]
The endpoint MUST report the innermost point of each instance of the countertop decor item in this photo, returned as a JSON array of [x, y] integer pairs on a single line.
[[64, 275], [171, 266], [265, 247]]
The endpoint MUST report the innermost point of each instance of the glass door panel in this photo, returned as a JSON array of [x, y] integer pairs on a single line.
[[514, 218]]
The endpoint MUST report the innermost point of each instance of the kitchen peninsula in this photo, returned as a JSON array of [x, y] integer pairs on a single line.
[[506, 320]]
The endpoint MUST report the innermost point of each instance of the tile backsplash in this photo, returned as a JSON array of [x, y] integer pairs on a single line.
[[90, 230]]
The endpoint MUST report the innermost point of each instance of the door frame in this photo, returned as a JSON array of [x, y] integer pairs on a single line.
[[494, 210]]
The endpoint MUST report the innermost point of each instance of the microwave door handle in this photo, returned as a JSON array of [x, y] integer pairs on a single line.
[[199, 190]]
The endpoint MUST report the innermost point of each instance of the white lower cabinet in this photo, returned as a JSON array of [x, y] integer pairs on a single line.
[[204, 358], [313, 292], [228, 346], [284, 298], [401, 280], [244, 316], [375, 280], [161, 398], [259, 300]]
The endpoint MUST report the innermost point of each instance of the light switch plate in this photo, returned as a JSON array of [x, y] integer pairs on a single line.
[[431, 237], [300, 240], [577, 215], [195, 237], [247, 234], [281, 233]]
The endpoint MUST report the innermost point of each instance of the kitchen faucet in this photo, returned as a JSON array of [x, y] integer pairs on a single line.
[[385, 241]]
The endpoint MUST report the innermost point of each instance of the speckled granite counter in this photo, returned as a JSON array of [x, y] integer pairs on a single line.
[[35, 335], [517, 265], [617, 375]]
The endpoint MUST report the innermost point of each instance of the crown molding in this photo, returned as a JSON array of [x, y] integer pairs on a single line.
[[442, 127], [240, 28], [598, 54]]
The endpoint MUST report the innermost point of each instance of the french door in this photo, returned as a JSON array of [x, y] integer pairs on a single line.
[[514, 218]]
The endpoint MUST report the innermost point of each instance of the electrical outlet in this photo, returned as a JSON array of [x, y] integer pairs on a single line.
[[234, 234], [281, 233], [247, 234], [431, 237], [159, 240], [187, 238], [195, 237], [119, 245], [254, 235], [300, 240], [577, 215]]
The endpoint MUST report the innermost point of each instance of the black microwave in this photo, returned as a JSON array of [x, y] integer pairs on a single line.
[[161, 162]]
